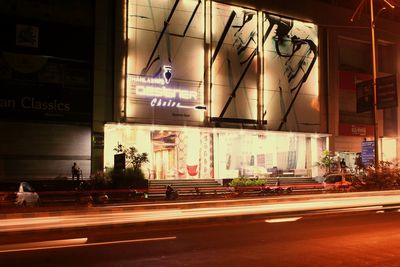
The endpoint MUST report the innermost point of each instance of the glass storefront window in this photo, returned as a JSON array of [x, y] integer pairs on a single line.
[[190, 152]]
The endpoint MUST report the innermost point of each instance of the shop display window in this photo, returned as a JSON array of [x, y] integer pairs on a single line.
[[191, 152]]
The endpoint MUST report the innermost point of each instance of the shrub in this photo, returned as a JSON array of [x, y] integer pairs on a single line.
[[100, 180], [387, 176], [241, 182], [130, 177]]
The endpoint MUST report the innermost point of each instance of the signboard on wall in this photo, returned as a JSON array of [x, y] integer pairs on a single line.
[[161, 98], [40, 88], [348, 129]]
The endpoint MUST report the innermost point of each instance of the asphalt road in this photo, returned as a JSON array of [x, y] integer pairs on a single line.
[[356, 239]]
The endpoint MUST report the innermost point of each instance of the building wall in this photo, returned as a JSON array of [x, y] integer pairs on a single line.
[[103, 83], [46, 92]]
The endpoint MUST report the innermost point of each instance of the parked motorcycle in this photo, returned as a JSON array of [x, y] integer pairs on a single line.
[[171, 193]]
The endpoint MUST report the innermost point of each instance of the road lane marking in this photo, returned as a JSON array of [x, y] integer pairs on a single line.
[[279, 220], [71, 243], [42, 244]]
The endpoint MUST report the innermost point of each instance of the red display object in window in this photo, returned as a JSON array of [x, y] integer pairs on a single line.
[[192, 170]]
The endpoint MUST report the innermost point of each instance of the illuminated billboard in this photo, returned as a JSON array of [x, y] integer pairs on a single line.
[[165, 61], [258, 66], [290, 74], [234, 68]]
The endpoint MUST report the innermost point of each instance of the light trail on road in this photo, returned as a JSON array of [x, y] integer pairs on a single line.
[[109, 217], [71, 243]]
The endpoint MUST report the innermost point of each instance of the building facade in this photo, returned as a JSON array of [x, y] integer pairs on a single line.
[[267, 66], [209, 89]]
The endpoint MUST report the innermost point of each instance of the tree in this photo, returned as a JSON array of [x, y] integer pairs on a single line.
[[132, 156], [135, 159], [327, 159], [133, 175]]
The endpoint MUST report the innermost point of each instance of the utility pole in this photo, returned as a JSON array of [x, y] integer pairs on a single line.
[[373, 44], [374, 67]]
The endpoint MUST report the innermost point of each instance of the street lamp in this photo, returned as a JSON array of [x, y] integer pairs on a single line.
[[374, 67]]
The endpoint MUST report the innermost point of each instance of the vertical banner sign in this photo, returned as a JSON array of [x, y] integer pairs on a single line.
[[368, 153]]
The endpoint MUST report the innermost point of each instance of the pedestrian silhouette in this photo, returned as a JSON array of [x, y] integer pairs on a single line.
[[76, 171]]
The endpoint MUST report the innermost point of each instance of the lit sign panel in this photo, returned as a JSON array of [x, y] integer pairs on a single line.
[[161, 92], [163, 96]]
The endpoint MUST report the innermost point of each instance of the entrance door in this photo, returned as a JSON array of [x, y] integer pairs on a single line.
[[165, 164]]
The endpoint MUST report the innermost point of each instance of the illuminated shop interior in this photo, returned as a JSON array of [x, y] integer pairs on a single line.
[[216, 153]]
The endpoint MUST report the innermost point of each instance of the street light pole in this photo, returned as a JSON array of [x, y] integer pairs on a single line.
[[374, 67], [376, 136]]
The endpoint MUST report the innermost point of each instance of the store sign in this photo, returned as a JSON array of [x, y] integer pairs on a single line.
[[44, 103], [368, 153], [39, 88], [161, 92], [348, 129]]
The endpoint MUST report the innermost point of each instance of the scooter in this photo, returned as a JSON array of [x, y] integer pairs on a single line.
[[171, 193]]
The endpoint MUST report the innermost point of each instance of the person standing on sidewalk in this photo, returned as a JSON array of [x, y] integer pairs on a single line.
[[75, 171], [343, 165]]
